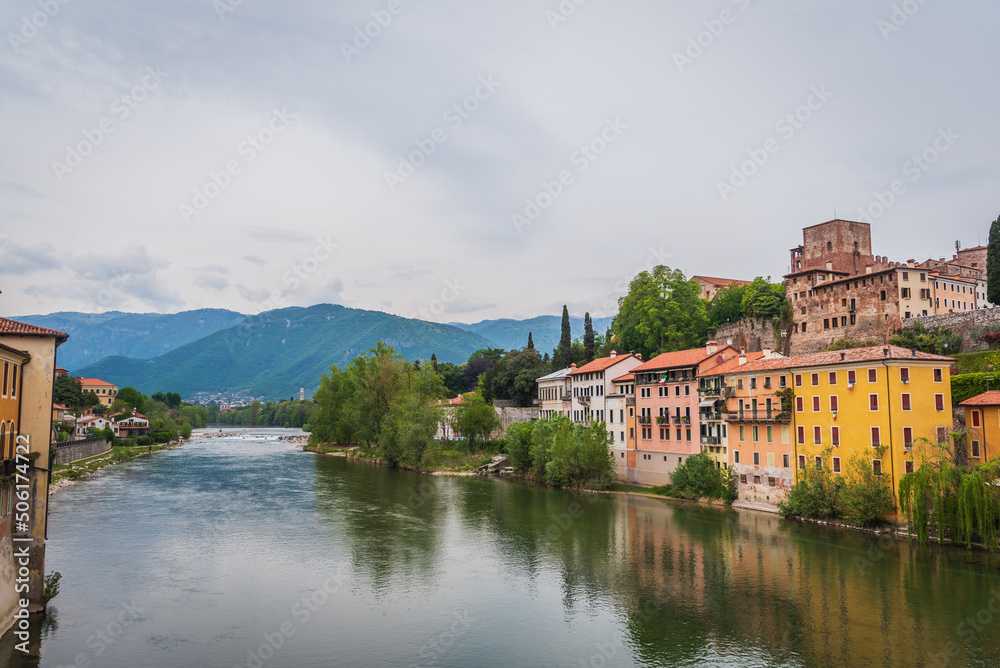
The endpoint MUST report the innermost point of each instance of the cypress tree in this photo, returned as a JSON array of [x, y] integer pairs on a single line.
[[993, 263], [565, 341], [531, 344], [434, 361], [589, 349]]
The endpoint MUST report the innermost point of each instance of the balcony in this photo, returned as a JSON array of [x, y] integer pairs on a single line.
[[682, 419], [662, 419], [566, 399], [645, 419], [711, 440], [759, 416], [584, 399], [712, 416]]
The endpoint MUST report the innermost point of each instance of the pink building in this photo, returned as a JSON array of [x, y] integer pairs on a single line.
[[668, 428]]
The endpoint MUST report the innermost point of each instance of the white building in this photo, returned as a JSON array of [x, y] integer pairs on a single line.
[[554, 394], [593, 384]]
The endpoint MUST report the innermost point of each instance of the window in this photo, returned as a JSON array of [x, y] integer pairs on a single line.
[[739, 383], [817, 435], [975, 418], [756, 480], [802, 461], [753, 383], [815, 379], [798, 380], [833, 377], [975, 449], [799, 406], [834, 404], [873, 402], [938, 376], [939, 402], [826, 323], [784, 461], [743, 432], [942, 435], [872, 375], [815, 404], [801, 433], [877, 466], [836, 464], [852, 377], [781, 382], [736, 456], [743, 479], [818, 461], [882, 295], [756, 459], [770, 434], [907, 437], [876, 437], [770, 481], [756, 433], [906, 293], [906, 402], [835, 436], [904, 374]]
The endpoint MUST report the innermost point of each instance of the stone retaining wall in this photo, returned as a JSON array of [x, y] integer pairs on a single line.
[[68, 452], [966, 323]]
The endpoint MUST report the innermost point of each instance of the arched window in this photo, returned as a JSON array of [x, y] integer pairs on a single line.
[[829, 245], [3, 439]]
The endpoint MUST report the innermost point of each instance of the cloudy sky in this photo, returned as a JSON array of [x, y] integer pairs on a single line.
[[467, 160]]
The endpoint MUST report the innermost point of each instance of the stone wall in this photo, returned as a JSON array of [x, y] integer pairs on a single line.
[[751, 333], [73, 451], [509, 416], [966, 323]]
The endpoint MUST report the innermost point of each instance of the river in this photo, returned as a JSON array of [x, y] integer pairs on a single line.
[[244, 551]]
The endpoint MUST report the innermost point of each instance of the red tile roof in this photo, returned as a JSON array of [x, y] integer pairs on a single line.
[[851, 356], [600, 364], [991, 398], [92, 382], [677, 359], [721, 282], [24, 329], [627, 378], [60, 407], [732, 364]]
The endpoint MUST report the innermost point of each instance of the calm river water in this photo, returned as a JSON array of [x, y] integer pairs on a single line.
[[244, 551]]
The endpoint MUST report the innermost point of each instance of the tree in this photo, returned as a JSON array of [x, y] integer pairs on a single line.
[[589, 347], [173, 400], [475, 418], [89, 400], [492, 354], [336, 416], [726, 306], [67, 391], [561, 355], [472, 372], [763, 299], [993, 263], [514, 377], [662, 312], [133, 398], [531, 343], [434, 361]]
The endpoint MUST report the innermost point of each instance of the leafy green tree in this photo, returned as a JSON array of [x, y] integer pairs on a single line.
[[173, 400], [662, 312], [866, 496], [763, 299], [726, 306], [518, 445], [159, 396], [475, 418], [816, 495], [993, 263], [133, 398], [699, 476], [561, 355], [589, 344], [67, 391], [379, 378], [492, 354], [581, 456], [938, 341], [409, 429], [336, 419], [452, 375], [514, 377]]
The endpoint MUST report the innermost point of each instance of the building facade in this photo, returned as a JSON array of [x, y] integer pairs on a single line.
[[106, 392], [982, 420], [28, 355], [554, 394], [621, 424], [873, 403]]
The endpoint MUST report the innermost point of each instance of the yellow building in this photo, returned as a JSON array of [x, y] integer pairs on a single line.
[[982, 419], [106, 392], [27, 358], [853, 402]]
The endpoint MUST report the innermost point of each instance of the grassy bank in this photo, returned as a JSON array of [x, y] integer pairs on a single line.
[[439, 457], [117, 454]]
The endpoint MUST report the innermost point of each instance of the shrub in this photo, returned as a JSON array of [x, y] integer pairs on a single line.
[[700, 477], [814, 496], [866, 496], [518, 445]]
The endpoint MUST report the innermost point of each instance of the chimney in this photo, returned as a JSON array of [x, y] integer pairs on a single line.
[[638, 356], [712, 347], [829, 265], [573, 366], [614, 354], [914, 351], [743, 357], [885, 352], [842, 356], [868, 269]]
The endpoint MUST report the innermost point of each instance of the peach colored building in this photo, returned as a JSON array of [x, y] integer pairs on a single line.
[[105, 391], [668, 428]]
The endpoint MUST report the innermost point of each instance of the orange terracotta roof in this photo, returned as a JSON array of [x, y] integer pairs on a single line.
[[601, 364], [627, 378], [851, 356], [95, 382], [676, 359], [24, 329], [60, 407], [732, 364], [721, 282], [455, 401], [991, 398]]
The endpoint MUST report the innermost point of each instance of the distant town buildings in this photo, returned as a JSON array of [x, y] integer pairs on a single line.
[[106, 392]]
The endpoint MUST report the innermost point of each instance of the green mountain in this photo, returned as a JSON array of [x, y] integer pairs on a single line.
[[92, 337], [273, 354], [545, 331]]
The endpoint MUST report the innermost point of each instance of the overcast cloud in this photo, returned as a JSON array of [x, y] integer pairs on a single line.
[[164, 156]]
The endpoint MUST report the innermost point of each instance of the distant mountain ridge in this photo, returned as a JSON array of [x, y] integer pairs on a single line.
[[545, 331], [93, 337], [275, 353]]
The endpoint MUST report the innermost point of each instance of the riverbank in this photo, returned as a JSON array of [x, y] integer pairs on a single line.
[[439, 460], [71, 474]]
